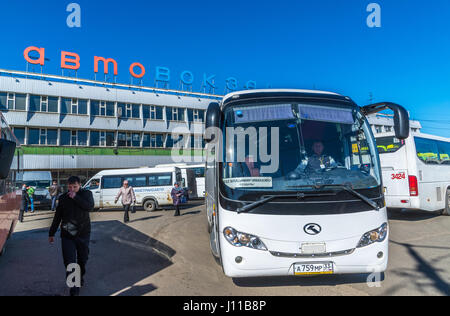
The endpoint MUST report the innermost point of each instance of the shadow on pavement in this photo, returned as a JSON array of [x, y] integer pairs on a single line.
[[332, 280], [411, 215], [431, 273], [120, 257]]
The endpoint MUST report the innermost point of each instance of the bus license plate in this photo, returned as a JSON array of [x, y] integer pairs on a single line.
[[313, 268]]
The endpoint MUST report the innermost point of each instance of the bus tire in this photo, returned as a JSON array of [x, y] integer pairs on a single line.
[[150, 206], [209, 227], [446, 211]]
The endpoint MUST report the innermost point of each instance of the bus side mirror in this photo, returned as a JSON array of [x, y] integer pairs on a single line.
[[401, 117], [7, 150], [213, 117], [401, 122]]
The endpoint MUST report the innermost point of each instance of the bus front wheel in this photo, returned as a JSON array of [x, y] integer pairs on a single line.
[[150, 206], [446, 211]]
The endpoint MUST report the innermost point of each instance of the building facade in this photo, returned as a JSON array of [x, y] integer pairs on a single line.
[[80, 127]]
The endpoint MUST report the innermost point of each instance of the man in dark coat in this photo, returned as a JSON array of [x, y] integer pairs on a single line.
[[24, 203], [72, 214]]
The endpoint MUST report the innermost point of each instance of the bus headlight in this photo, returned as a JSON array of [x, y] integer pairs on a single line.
[[239, 239], [376, 235]]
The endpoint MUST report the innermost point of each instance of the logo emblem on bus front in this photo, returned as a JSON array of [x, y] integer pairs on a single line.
[[312, 229]]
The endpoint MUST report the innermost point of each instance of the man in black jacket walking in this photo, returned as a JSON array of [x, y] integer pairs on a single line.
[[72, 214]]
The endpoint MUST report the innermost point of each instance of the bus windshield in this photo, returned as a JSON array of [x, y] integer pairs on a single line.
[[309, 145]]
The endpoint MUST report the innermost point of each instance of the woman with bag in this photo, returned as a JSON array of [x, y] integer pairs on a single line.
[[177, 194], [128, 198]]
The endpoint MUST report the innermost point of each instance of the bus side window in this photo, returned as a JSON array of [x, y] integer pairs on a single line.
[[427, 150], [444, 152]]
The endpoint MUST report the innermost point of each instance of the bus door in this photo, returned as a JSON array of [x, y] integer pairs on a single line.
[[394, 166], [110, 187], [191, 184], [94, 186]]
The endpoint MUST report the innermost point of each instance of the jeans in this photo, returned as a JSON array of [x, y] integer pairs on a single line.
[[54, 198], [31, 203], [126, 216]]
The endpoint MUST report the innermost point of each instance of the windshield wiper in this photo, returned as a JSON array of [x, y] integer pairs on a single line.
[[355, 193], [346, 188], [268, 198]]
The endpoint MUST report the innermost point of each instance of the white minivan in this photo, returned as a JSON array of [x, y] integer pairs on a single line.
[[152, 186]]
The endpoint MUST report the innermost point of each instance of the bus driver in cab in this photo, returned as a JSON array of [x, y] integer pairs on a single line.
[[318, 161]]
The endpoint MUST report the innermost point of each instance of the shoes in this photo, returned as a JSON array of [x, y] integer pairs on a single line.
[[75, 291]]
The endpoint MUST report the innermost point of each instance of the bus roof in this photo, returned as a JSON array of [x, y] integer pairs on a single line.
[[180, 165], [134, 171], [259, 93], [414, 134]]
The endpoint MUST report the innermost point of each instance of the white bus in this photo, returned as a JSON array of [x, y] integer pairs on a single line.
[[152, 186], [190, 174], [416, 171], [321, 210]]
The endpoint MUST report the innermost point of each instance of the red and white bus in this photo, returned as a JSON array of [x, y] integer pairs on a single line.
[[416, 171], [9, 199]]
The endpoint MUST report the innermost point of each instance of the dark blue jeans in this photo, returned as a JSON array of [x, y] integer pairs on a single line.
[[54, 198]]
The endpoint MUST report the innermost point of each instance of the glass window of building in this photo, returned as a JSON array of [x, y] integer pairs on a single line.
[[21, 102], [95, 139], [136, 140], [74, 138], [3, 101], [33, 136], [11, 99], [52, 137], [122, 139], [65, 138], [152, 112], [121, 110], [95, 107], [146, 140], [110, 139], [82, 138], [35, 103], [44, 104], [66, 106], [135, 109], [52, 104], [74, 106], [43, 136], [19, 132], [82, 106], [110, 111]]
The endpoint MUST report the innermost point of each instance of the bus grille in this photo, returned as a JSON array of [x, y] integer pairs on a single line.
[[317, 255]]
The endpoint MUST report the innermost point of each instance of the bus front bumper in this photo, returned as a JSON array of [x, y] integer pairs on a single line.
[[255, 263]]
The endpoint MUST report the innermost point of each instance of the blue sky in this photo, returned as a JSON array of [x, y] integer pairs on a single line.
[[322, 44]]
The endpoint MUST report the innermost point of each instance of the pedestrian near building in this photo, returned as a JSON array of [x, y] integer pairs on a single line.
[[30, 192], [176, 194], [54, 191], [23, 203], [72, 214], [128, 199]]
